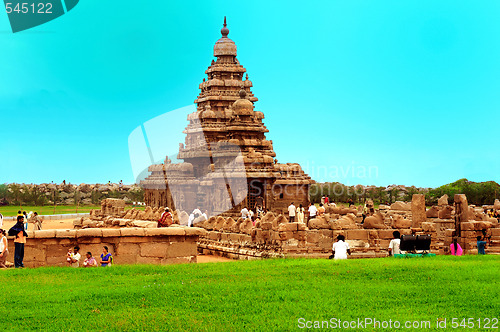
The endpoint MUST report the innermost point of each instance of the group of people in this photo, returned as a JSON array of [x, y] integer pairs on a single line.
[[300, 212], [73, 258]]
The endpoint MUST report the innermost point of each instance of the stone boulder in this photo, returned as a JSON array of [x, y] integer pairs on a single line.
[[268, 217], [496, 205], [443, 200], [432, 212], [375, 222], [445, 212], [401, 206]]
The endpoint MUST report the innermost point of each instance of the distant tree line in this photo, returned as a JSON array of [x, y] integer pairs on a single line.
[[50, 194], [478, 193], [340, 193]]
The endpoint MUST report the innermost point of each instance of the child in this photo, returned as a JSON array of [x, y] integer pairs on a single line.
[[69, 255], [481, 245]]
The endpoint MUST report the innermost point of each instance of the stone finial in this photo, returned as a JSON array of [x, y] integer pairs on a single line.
[[246, 77], [243, 93], [224, 31]]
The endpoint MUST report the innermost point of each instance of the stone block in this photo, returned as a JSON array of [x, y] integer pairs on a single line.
[[181, 249], [65, 233], [467, 226], [357, 234], [214, 236], [128, 249], [286, 235], [43, 234], [495, 232], [428, 227], [125, 259], [386, 234], [195, 231], [154, 249], [326, 233], [312, 236], [89, 240], [111, 232], [89, 232], [33, 253], [133, 231]]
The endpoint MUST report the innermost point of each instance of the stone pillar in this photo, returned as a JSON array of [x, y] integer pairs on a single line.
[[418, 210], [461, 212]]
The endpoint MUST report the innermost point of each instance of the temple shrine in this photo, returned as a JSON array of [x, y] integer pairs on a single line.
[[227, 163]]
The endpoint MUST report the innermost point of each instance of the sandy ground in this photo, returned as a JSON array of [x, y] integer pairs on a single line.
[[68, 224]]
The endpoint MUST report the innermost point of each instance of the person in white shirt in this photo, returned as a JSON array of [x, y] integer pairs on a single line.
[[244, 213], [394, 245], [74, 260], [250, 214], [196, 213], [291, 212], [312, 211], [340, 248], [1, 220]]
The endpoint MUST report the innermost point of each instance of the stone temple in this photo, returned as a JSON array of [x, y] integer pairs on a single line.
[[227, 163]]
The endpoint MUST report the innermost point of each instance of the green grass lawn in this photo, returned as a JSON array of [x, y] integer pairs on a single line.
[[10, 211], [251, 295]]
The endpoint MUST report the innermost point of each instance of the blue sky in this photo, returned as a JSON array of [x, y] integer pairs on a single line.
[[370, 92]]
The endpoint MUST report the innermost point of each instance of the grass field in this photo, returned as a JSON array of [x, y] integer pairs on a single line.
[[10, 211], [253, 295]]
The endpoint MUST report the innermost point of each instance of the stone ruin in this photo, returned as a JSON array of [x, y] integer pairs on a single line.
[[227, 161], [274, 236]]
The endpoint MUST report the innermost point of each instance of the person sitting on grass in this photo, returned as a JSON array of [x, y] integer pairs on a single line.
[[89, 260], [394, 245], [106, 258], [455, 248], [340, 248]]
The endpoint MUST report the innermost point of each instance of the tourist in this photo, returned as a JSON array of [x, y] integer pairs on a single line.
[[260, 211], [491, 213], [259, 201], [455, 248], [250, 214], [4, 249], [25, 215], [1, 220], [481, 246], [497, 215], [37, 221], [322, 199], [73, 258], [89, 260], [395, 244], [364, 213], [291, 212], [312, 211], [19, 232], [327, 200], [350, 202], [300, 214], [340, 248], [166, 218], [244, 212], [193, 216], [321, 210], [106, 257]]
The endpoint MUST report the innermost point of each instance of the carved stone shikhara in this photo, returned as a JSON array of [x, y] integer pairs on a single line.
[[224, 132]]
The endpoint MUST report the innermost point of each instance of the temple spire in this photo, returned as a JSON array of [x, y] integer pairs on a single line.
[[224, 31]]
